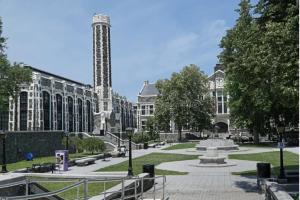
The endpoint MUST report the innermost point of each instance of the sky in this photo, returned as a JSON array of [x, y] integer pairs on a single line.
[[150, 39]]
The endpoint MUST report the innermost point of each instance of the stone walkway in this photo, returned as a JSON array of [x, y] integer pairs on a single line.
[[212, 183]]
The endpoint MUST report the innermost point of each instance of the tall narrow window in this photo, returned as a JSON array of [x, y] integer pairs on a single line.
[[151, 111], [219, 104], [79, 106], [71, 114], [105, 106], [46, 108], [143, 110], [23, 111], [59, 110], [225, 104], [88, 111]]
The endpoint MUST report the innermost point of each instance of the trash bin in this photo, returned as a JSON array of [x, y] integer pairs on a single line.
[[146, 145], [149, 168], [263, 170]]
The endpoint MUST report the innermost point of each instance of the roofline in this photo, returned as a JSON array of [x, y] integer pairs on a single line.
[[216, 72], [57, 76], [149, 95]]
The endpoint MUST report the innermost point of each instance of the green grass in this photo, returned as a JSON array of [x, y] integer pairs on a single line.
[[93, 189], [24, 164], [153, 158], [181, 146], [264, 145], [291, 161]]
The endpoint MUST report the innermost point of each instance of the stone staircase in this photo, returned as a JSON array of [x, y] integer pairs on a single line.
[[113, 139]]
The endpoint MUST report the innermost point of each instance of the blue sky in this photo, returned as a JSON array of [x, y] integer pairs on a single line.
[[150, 38]]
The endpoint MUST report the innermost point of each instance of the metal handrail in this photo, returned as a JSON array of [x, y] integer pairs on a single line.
[[85, 182], [47, 194], [13, 184], [118, 138]]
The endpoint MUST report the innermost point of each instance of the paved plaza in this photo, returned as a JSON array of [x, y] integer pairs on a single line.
[[207, 183]]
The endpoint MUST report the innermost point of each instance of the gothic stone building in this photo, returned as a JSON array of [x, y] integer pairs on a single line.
[[220, 97], [145, 106], [52, 102]]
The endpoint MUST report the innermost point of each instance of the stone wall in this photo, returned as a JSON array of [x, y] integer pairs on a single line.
[[40, 143]]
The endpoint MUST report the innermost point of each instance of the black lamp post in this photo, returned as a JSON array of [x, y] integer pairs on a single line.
[[3, 137], [119, 139], [67, 140], [280, 130], [130, 171]]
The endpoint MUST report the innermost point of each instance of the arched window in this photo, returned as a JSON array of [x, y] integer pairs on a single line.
[[59, 110], [23, 111], [71, 114], [79, 106], [88, 111], [46, 108]]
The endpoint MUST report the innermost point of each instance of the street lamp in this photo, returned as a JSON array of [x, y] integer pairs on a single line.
[[3, 137], [67, 140], [280, 130], [129, 131]]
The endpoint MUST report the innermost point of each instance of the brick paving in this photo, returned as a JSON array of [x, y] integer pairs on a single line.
[[211, 183]]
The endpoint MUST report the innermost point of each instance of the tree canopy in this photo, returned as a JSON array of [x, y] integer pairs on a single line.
[[184, 99], [260, 57]]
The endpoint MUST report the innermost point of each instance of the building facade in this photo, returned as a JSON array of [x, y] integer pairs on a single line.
[[52, 102], [220, 97], [145, 106]]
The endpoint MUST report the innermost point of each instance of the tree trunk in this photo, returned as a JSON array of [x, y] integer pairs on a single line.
[[179, 134], [256, 136], [16, 113]]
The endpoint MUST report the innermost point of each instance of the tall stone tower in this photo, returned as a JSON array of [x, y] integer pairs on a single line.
[[102, 68]]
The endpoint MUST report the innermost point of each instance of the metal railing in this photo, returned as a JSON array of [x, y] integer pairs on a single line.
[[135, 187]]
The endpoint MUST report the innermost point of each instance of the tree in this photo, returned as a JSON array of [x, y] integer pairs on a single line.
[[260, 56], [152, 128], [184, 99], [93, 144]]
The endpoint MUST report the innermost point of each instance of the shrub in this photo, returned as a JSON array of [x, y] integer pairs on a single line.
[[93, 144], [140, 137]]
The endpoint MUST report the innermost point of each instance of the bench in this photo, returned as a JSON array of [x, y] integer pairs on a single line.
[[162, 143], [98, 156], [153, 145], [85, 161]]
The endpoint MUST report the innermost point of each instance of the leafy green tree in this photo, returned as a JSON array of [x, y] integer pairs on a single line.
[[152, 128], [93, 144], [140, 137], [75, 143], [260, 56], [184, 99]]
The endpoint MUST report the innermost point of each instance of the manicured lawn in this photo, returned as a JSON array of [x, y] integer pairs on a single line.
[[153, 158], [291, 161], [264, 145], [93, 189], [23, 164], [181, 146]]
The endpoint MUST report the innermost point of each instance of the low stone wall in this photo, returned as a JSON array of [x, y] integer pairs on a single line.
[[40, 143], [170, 137]]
